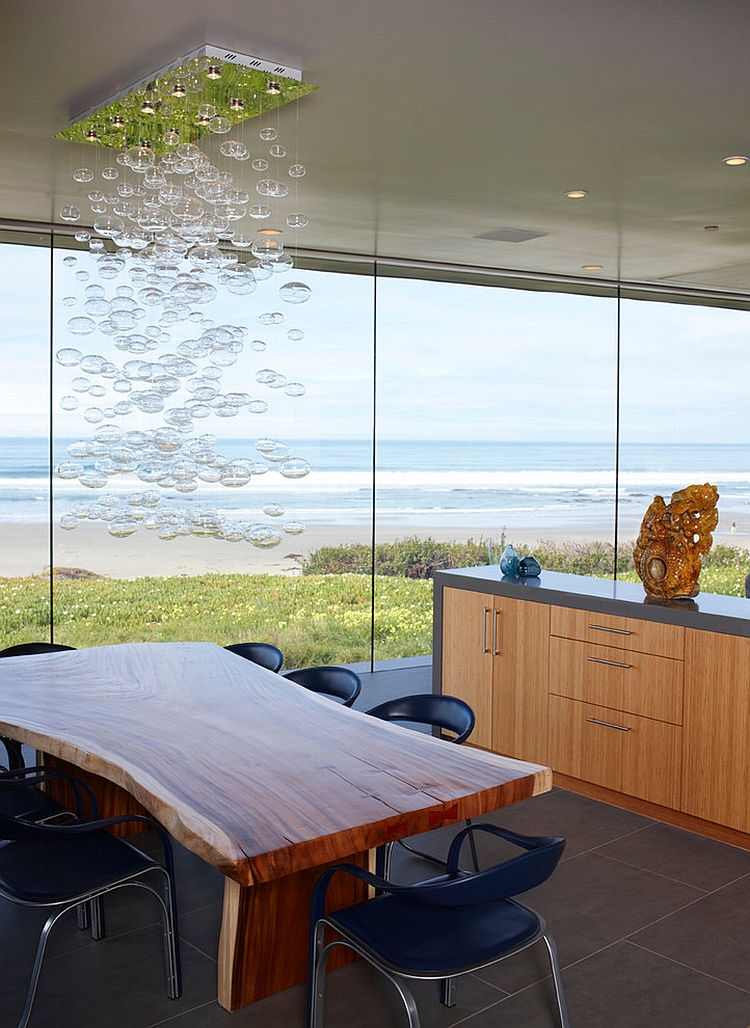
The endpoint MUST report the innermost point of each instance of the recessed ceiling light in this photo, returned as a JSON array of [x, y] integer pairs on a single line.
[[269, 231], [576, 194], [732, 161], [592, 267]]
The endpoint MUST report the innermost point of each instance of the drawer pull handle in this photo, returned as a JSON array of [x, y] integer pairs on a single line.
[[612, 663], [616, 631], [607, 724], [485, 612]]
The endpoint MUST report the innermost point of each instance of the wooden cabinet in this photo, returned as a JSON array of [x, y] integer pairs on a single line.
[[646, 702], [494, 656]]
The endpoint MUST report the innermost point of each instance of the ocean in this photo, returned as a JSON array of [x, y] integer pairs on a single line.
[[486, 487]]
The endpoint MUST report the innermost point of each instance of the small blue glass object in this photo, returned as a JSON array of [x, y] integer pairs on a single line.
[[509, 561], [529, 567]]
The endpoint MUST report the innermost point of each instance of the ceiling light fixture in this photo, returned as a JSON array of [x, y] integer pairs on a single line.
[[177, 212], [216, 90], [576, 194], [592, 267], [735, 161], [273, 88]]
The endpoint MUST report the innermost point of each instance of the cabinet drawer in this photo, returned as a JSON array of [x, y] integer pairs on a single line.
[[622, 633], [632, 755], [638, 683]]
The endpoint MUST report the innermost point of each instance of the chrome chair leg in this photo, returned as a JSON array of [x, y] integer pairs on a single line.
[[554, 960]]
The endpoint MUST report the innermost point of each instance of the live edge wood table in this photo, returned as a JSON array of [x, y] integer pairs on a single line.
[[261, 778]]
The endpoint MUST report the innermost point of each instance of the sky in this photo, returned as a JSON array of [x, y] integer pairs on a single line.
[[453, 361]]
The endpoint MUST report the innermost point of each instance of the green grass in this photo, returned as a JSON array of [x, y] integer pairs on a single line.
[[314, 618]]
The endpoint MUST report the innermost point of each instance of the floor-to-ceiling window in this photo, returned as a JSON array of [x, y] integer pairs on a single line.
[[495, 425], [217, 457], [25, 438]]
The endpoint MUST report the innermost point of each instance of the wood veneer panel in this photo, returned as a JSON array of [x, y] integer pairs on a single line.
[[520, 679], [466, 657], [639, 683], [620, 632], [633, 755], [717, 728]]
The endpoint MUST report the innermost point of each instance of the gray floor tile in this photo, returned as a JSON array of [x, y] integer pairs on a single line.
[[591, 902], [117, 981], [623, 987], [711, 935], [585, 823], [682, 856]]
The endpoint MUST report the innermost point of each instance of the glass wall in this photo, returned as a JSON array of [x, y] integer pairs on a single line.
[[25, 497], [495, 424], [244, 461]]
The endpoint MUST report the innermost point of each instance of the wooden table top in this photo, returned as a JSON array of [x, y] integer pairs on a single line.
[[255, 774]]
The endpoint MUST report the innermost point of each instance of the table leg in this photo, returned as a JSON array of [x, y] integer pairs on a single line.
[[264, 940]]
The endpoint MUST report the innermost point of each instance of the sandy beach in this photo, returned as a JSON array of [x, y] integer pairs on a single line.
[[24, 548]]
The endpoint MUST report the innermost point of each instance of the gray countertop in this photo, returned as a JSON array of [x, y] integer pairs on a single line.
[[708, 611]]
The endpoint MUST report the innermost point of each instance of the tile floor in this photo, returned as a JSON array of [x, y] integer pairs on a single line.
[[651, 923]]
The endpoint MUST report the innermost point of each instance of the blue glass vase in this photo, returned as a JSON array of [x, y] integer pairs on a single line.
[[509, 561]]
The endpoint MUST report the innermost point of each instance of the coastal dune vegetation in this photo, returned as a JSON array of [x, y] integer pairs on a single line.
[[325, 614]]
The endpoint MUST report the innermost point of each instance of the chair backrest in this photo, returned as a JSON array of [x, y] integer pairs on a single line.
[[265, 654], [510, 878], [449, 713], [21, 649], [338, 682]]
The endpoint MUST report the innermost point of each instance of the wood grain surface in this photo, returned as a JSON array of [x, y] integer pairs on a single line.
[[255, 774]]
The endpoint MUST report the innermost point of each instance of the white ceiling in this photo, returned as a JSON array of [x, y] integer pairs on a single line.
[[439, 120]]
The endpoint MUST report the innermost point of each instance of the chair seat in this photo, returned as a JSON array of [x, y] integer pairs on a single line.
[[438, 939], [30, 804], [62, 867]]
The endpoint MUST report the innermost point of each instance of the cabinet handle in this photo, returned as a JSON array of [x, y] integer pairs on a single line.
[[485, 612], [612, 663], [616, 631], [495, 616], [607, 724]]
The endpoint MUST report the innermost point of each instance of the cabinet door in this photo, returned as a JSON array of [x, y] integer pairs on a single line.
[[466, 657], [717, 728], [520, 641]]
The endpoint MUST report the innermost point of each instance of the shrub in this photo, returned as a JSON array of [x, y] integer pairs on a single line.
[[405, 558]]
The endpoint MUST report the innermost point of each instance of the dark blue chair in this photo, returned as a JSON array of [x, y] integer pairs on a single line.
[[265, 654], [442, 928], [71, 866], [339, 683], [448, 714]]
